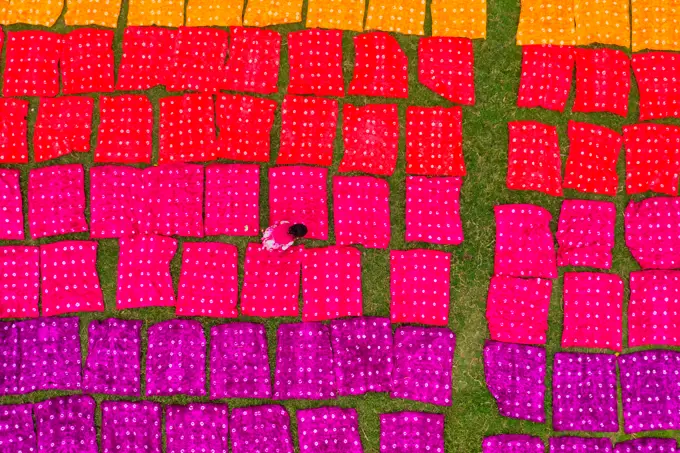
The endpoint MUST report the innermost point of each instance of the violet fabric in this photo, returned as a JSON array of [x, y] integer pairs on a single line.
[[649, 390], [411, 432], [17, 433], [19, 282], [304, 362], [66, 424], [113, 357], [580, 445], [585, 234], [257, 429], [584, 392], [197, 428], [129, 427], [515, 377], [9, 358], [423, 363], [653, 232], [647, 445], [329, 430], [175, 361], [362, 355], [239, 362], [512, 443]]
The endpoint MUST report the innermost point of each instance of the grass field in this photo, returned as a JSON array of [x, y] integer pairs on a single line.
[[473, 414]]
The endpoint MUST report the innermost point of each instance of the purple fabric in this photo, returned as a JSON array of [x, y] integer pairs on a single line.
[[584, 392], [17, 433], [411, 432], [423, 362], [175, 361], [129, 427], [198, 427], [362, 354], [239, 362], [66, 424], [260, 429], [648, 445], [9, 358], [515, 377], [113, 357], [512, 443], [329, 430], [649, 390], [580, 445], [304, 362]]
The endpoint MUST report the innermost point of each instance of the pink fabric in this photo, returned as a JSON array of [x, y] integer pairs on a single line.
[[370, 135], [245, 124], [547, 72], [652, 158], [253, 64], [11, 206], [32, 63], [659, 85], [654, 308], [19, 284], [277, 237], [361, 211], [434, 141], [433, 210], [447, 67], [602, 81], [147, 54], [187, 129], [232, 200], [315, 60], [116, 206], [63, 126], [13, 131], [653, 232], [585, 233], [534, 161], [87, 61], [125, 129], [380, 67]]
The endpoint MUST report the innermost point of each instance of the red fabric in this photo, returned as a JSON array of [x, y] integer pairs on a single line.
[[208, 283], [32, 63], [433, 210], [11, 206], [593, 311], [308, 127], [19, 282], [125, 129], [199, 60], [253, 64], [299, 195], [380, 67], [659, 84], [534, 158], [315, 60], [602, 81], [593, 155], [187, 129], [245, 125], [331, 283], [13, 131], [585, 233], [547, 72], [232, 200], [56, 200], [434, 141], [517, 309], [524, 242], [653, 232], [87, 61], [64, 125], [654, 309], [116, 201], [652, 158], [447, 67], [371, 138], [147, 54], [271, 282], [361, 211], [144, 278], [69, 279], [419, 286]]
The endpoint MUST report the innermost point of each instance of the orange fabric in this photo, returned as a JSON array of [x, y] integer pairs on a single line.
[[602, 21], [224, 13], [260, 13], [165, 13], [401, 16], [92, 12], [337, 14], [547, 22], [34, 12], [656, 24], [459, 18]]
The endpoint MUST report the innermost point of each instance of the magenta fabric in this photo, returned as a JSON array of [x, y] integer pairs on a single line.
[[524, 242], [659, 88], [198, 427], [380, 66], [654, 308], [116, 207], [129, 427], [423, 364], [584, 392], [19, 282], [56, 200], [547, 73], [253, 65], [232, 199], [411, 432], [653, 232], [512, 443], [585, 233], [144, 278], [433, 210], [66, 424], [647, 445], [87, 61], [329, 430], [315, 60], [11, 208], [304, 362], [580, 445], [175, 361], [255, 429], [361, 211], [17, 433], [32, 63], [515, 377], [362, 355], [239, 361], [10, 362]]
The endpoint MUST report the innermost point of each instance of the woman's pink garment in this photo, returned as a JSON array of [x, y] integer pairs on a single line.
[[277, 237]]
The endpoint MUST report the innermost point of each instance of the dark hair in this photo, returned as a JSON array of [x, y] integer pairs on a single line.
[[298, 230]]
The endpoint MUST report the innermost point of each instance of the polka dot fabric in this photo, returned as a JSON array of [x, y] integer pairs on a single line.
[[380, 67], [239, 361], [542, 22], [304, 362], [584, 392], [197, 427], [165, 13], [593, 311], [406, 16], [10, 366], [370, 135], [593, 156], [116, 208], [433, 210], [201, 13], [534, 161], [64, 125], [125, 130], [37, 75], [515, 377], [580, 445], [16, 428], [113, 357], [232, 200], [66, 424], [13, 131], [252, 428], [655, 25], [93, 12], [144, 278], [187, 129], [434, 141], [129, 427], [33, 12], [652, 158], [253, 64], [655, 74], [547, 72], [245, 125], [198, 62], [602, 81], [647, 445], [512, 443], [86, 61], [261, 13], [361, 211], [653, 317], [147, 53], [315, 61], [604, 22], [585, 234], [411, 432], [11, 208], [19, 283], [423, 360], [336, 14], [459, 18], [329, 430], [208, 283], [446, 66], [652, 227]]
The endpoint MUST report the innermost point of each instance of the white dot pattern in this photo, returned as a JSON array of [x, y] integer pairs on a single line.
[[13, 131], [125, 129], [434, 141], [11, 362], [602, 81], [433, 210], [115, 201], [165, 13], [647, 445], [580, 445], [546, 77], [512, 443], [370, 135], [602, 21], [245, 125], [652, 227], [658, 83], [410, 432], [585, 234], [64, 125], [66, 424], [655, 25], [652, 158], [87, 61], [315, 61], [147, 53], [32, 63], [254, 56], [197, 428], [447, 67], [187, 130], [11, 206], [336, 14], [654, 308], [459, 18], [198, 63], [261, 429], [129, 427], [232, 199], [19, 282], [261, 13], [546, 22], [380, 67], [405, 16], [17, 433], [329, 430]]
